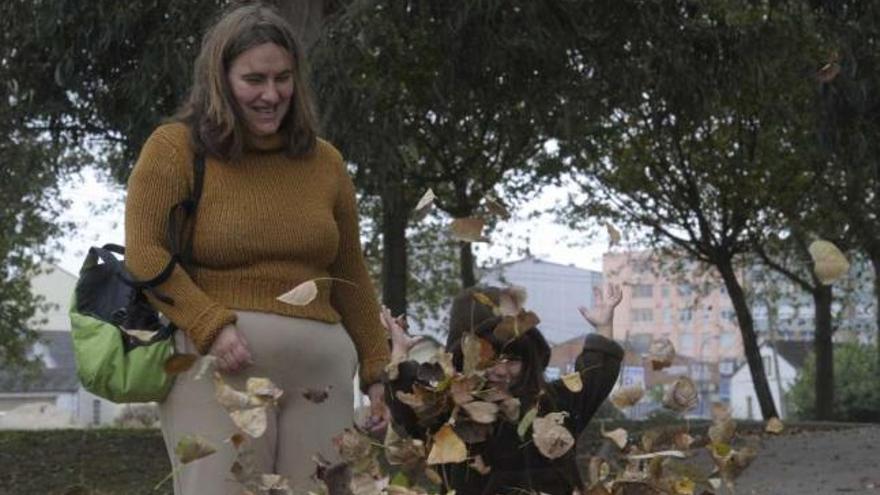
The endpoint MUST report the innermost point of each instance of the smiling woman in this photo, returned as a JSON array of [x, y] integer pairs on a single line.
[[277, 209]]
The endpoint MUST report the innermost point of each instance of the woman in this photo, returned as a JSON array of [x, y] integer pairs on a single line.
[[278, 208], [516, 466]]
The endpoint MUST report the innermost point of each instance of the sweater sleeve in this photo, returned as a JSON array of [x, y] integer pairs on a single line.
[[161, 178], [357, 304]]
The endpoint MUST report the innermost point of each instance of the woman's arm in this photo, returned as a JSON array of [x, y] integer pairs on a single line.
[[161, 178]]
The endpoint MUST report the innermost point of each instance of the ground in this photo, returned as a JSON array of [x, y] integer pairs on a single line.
[[814, 459]]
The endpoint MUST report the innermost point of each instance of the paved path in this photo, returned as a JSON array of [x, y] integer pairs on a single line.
[[816, 463]]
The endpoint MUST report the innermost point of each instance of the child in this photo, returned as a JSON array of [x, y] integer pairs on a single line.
[[515, 465]]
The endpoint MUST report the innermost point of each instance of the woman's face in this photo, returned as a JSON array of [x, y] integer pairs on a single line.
[[504, 373], [261, 80]]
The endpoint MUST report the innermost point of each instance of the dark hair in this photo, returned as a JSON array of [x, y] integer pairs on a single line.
[[211, 110], [469, 315]]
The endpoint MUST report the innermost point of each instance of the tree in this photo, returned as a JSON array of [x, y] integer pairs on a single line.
[[453, 97], [690, 144]]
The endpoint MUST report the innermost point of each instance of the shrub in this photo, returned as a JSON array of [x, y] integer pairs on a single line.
[[856, 385]]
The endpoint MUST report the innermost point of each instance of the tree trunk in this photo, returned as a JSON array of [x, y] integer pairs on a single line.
[[875, 261], [822, 347], [466, 260], [394, 261], [750, 340]]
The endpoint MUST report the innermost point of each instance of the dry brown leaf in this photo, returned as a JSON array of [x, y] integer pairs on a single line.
[[496, 208], [236, 439], [613, 234], [661, 353], [317, 395], [722, 431], [550, 435], [598, 470], [462, 387], [468, 230], [447, 447], [433, 476], [179, 363], [627, 396], [262, 391], [662, 453], [512, 327], [684, 486], [300, 295], [480, 466], [352, 445], [193, 447], [681, 395], [484, 300], [573, 382], [206, 364], [511, 301], [470, 350], [424, 205], [227, 396], [276, 482], [828, 72], [774, 426], [510, 409], [829, 264], [251, 421], [619, 436], [481, 412], [720, 412], [408, 452], [682, 440]]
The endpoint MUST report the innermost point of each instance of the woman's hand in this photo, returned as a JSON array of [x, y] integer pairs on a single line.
[[231, 350], [379, 413], [401, 342], [601, 315]]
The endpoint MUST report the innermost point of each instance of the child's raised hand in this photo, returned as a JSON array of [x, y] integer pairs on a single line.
[[401, 342], [601, 315]]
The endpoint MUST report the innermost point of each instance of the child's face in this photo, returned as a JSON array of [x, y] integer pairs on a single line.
[[504, 373]]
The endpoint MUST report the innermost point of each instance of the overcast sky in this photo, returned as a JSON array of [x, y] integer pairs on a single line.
[[96, 208]]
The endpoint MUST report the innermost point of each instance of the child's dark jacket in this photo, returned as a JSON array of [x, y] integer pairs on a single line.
[[516, 464]]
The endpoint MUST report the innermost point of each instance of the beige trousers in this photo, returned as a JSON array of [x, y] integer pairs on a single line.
[[295, 354]]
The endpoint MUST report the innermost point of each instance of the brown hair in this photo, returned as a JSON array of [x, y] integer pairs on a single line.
[[211, 110], [469, 315]]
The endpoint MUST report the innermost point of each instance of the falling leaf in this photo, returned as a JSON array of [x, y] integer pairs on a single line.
[[433, 476], [462, 387], [317, 395], [424, 205], [526, 422], [661, 353], [511, 301], [774, 425], [275, 482], [573, 382], [479, 466], [251, 421], [468, 230], [352, 445], [447, 447], [236, 439], [144, 336], [510, 409], [619, 436], [471, 432], [721, 432], [496, 208], [598, 470], [550, 435], [179, 363], [407, 452], [206, 364], [470, 350], [829, 264], [681, 395], [720, 412], [682, 440], [627, 396], [663, 453], [193, 447], [300, 295], [262, 391], [613, 234], [445, 360], [511, 327], [227, 396], [481, 412], [828, 72], [684, 486]]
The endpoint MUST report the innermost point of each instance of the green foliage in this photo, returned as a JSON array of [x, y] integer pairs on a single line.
[[856, 390]]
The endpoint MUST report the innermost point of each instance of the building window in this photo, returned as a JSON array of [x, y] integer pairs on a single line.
[[686, 342], [685, 315], [96, 412], [641, 291], [729, 315], [727, 340], [768, 366], [641, 315], [667, 315], [685, 289], [664, 291]]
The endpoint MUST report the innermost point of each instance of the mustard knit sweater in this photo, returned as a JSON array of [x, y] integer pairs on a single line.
[[265, 223]]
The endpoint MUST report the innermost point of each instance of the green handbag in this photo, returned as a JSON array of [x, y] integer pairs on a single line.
[[120, 342]]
